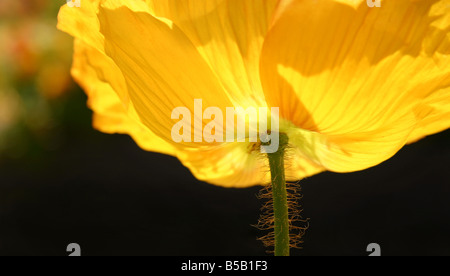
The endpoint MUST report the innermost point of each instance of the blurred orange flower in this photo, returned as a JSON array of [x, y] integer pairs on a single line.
[[35, 63]]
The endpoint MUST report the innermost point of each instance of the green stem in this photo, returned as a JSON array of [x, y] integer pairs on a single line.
[[280, 204]]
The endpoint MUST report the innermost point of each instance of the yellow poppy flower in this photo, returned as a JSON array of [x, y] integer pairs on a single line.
[[353, 84]]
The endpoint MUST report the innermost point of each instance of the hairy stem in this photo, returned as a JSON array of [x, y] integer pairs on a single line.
[[280, 203]]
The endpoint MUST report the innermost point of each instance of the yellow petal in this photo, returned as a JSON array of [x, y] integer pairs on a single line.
[[92, 70], [101, 74], [82, 23], [229, 35], [161, 67], [434, 115], [236, 165], [361, 78], [228, 165]]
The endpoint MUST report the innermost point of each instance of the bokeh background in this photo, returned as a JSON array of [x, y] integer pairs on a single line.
[[63, 182]]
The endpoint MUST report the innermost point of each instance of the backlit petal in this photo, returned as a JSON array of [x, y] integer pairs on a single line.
[[152, 64], [110, 115], [161, 66], [366, 80], [82, 23], [229, 165], [229, 35], [237, 165]]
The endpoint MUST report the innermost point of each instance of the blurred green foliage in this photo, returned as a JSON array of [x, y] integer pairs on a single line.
[[37, 96]]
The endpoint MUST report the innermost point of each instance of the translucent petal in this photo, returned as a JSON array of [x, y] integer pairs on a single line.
[[362, 78], [161, 67], [110, 115], [229, 35]]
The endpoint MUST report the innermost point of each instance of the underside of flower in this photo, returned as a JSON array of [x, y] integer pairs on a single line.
[[356, 83], [352, 84]]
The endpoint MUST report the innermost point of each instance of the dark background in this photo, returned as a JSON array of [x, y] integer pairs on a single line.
[[112, 198]]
